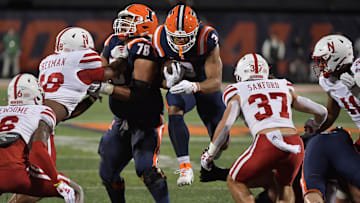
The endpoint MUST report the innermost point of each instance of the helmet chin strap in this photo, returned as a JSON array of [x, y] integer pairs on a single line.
[[181, 52]]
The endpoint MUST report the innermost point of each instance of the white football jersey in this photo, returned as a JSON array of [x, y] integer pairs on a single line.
[[343, 96], [24, 119], [264, 103], [58, 76]]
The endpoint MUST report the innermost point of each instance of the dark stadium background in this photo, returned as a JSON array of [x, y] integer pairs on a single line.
[[243, 25]]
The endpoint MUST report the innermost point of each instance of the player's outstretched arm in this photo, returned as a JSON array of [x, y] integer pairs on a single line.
[[222, 130], [306, 105]]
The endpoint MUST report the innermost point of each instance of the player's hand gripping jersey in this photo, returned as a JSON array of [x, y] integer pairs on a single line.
[[194, 59], [264, 103], [22, 120], [66, 76]]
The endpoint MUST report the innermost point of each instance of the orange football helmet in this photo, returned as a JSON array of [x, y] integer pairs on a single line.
[[181, 27], [136, 20]]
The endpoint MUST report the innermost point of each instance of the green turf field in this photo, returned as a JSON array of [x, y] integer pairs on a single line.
[[77, 157]]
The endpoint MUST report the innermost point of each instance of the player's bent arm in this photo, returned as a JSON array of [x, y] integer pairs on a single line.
[[223, 128], [306, 105], [39, 155], [213, 70], [59, 110], [333, 112], [104, 61], [82, 106], [143, 75]]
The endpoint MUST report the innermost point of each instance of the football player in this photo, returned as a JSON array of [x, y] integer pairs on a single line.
[[336, 71], [276, 154], [136, 101], [196, 47], [323, 164], [67, 74], [26, 124]]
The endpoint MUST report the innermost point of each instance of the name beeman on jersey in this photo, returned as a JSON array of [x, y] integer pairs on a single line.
[[52, 63], [263, 85]]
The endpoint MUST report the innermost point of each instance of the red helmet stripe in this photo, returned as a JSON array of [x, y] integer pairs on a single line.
[[15, 85], [256, 63], [59, 36]]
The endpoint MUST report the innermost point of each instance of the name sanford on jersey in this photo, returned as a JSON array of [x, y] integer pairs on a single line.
[[263, 85], [14, 109], [52, 63]]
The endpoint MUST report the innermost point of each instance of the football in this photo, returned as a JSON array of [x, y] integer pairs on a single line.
[[169, 68]]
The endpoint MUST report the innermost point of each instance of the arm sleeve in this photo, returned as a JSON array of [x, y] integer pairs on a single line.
[[48, 116], [229, 92]]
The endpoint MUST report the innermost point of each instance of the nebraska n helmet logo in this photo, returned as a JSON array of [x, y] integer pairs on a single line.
[[331, 46]]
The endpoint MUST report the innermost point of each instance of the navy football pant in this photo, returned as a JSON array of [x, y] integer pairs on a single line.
[[120, 144], [326, 156]]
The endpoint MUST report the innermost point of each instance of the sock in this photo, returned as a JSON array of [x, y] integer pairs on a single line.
[[39, 156], [179, 135], [183, 159], [116, 190]]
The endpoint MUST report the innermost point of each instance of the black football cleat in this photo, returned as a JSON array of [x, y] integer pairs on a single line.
[[214, 174]]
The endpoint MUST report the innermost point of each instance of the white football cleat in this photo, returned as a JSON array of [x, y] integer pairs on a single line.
[[186, 175]]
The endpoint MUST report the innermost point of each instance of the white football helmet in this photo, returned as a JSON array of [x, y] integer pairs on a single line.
[[330, 53], [73, 39], [24, 89], [251, 67]]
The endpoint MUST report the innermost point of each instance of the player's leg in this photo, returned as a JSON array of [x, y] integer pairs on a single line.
[[315, 167], [146, 146], [239, 191], [179, 133], [115, 153], [287, 169], [211, 109]]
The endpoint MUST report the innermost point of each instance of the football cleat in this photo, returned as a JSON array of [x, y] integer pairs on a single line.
[[186, 174], [214, 174]]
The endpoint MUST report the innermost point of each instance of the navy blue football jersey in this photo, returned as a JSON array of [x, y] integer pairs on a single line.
[[194, 59]]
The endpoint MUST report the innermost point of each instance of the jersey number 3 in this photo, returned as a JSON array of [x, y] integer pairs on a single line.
[[267, 107], [53, 82]]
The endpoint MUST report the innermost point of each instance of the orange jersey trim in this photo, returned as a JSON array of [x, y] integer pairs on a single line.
[[132, 42], [202, 44], [160, 133]]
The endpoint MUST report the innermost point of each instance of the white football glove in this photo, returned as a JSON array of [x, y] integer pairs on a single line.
[[172, 79], [119, 51], [101, 88], [357, 78], [310, 127], [347, 79], [206, 158], [185, 87], [66, 192]]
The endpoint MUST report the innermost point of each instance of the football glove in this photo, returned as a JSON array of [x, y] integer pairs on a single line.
[[175, 76], [310, 127], [66, 192], [347, 79], [206, 158], [119, 51], [101, 88], [185, 87], [214, 174]]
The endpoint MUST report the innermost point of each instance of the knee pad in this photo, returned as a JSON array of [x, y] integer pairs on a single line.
[[153, 176]]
